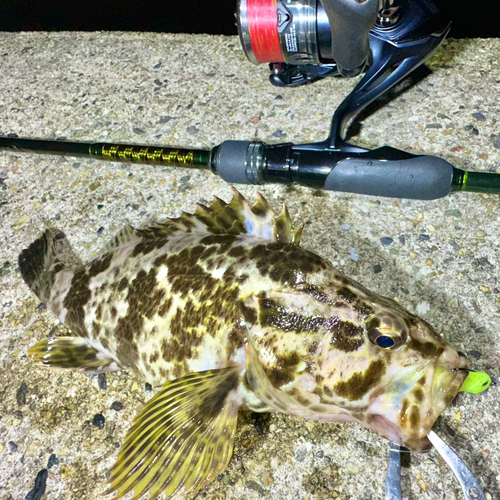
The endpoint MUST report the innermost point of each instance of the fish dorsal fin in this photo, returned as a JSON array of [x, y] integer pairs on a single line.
[[236, 217], [182, 439], [126, 234], [283, 228]]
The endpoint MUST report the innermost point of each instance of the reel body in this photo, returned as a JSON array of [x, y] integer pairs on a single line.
[[304, 40]]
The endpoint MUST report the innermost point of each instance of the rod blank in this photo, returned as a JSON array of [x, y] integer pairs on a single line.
[[150, 155]]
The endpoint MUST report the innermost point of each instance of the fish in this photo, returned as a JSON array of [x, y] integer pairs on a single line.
[[224, 309]]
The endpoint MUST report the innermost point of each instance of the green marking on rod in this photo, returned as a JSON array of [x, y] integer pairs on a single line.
[[464, 181]]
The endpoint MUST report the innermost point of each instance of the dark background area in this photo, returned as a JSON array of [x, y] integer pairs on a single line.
[[471, 18]]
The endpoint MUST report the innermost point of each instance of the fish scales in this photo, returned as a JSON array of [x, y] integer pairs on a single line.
[[224, 309], [167, 309]]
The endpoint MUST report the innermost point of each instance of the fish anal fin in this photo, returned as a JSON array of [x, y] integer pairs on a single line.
[[182, 439], [72, 353]]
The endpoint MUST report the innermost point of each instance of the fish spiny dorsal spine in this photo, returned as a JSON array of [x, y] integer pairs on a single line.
[[234, 218]]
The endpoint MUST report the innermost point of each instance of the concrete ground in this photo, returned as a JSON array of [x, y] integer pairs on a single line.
[[438, 258]]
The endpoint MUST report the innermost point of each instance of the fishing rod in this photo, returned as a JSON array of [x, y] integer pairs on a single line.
[[305, 40], [383, 172]]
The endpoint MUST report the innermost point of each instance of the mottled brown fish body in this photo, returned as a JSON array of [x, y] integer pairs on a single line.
[[223, 308], [169, 307]]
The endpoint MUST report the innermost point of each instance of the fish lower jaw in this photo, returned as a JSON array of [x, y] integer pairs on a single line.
[[393, 432], [414, 435], [387, 423], [418, 444], [385, 428]]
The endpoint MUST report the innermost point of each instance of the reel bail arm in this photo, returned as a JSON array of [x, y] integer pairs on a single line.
[[397, 50]]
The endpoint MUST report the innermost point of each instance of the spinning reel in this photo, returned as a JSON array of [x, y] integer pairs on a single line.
[[305, 40]]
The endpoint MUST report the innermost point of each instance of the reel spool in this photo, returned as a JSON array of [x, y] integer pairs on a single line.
[[273, 31], [308, 39], [308, 34]]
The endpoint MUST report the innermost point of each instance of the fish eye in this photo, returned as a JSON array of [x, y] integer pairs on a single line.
[[385, 342], [386, 333]]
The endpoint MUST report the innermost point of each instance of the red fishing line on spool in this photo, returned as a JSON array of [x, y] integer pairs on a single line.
[[262, 18]]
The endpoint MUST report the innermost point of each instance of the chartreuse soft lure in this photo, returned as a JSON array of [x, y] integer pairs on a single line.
[[476, 382]]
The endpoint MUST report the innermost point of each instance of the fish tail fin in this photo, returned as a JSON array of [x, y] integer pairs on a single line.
[[182, 439], [43, 259], [72, 353]]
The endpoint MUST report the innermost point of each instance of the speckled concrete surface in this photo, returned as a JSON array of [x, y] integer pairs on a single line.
[[438, 258]]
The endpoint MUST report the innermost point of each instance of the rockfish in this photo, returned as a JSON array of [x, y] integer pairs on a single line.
[[224, 309]]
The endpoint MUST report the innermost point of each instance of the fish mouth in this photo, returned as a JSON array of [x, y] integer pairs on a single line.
[[443, 382], [405, 409]]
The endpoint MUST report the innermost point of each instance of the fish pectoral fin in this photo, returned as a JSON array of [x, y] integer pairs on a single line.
[[73, 353], [182, 439]]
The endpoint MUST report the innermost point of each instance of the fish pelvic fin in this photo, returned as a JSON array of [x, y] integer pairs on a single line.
[[43, 259], [235, 218], [182, 439], [72, 353]]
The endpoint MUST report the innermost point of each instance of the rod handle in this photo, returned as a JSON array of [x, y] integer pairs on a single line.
[[421, 177]]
